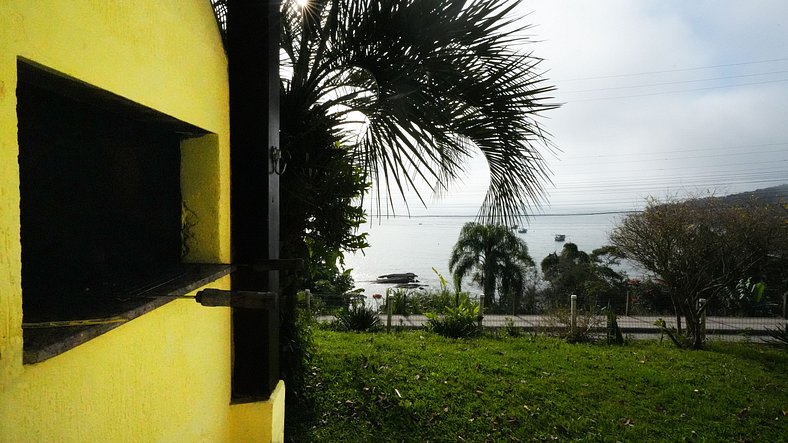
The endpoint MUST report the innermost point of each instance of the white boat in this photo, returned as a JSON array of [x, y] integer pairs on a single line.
[[560, 237], [522, 231]]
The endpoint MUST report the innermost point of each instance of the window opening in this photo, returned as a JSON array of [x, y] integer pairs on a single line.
[[100, 202]]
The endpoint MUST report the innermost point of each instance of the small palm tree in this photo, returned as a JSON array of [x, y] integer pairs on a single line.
[[493, 256]]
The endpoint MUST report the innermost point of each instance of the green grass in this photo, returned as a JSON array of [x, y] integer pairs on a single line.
[[417, 386]]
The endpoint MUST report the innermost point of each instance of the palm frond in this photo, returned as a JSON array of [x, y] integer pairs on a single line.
[[436, 82]]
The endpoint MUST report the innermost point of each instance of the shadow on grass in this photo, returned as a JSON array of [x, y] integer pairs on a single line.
[[771, 358]]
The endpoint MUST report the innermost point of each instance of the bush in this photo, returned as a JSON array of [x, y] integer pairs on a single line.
[[614, 335], [358, 317], [778, 336], [403, 301], [297, 349], [509, 328], [455, 322], [559, 321]]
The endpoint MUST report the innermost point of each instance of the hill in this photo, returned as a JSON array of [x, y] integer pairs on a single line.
[[771, 195]]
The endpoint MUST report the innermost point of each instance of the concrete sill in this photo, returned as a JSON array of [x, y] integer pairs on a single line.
[[42, 342]]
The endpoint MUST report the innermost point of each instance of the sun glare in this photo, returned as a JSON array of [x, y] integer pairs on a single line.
[[302, 3]]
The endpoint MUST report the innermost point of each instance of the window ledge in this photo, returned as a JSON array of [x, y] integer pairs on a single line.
[[43, 342]]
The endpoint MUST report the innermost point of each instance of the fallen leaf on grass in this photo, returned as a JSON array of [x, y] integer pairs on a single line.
[[626, 422]]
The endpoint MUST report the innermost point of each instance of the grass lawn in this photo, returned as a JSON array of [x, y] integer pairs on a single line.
[[417, 386]]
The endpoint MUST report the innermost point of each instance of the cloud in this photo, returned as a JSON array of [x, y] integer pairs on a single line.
[[623, 133]]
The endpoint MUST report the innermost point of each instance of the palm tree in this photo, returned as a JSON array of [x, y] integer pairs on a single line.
[[405, 92], [493, 256]]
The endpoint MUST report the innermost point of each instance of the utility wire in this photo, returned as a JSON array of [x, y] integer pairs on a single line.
[[648, 85], [676, 92], [661, 156], [710, 148], [676, 70]]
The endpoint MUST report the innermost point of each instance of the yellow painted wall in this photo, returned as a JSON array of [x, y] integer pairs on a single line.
[[164, 376]]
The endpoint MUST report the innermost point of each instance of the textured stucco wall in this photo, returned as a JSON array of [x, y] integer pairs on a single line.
[[166, 375]]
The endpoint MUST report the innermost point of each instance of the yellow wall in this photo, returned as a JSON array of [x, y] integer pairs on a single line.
[[164, 376]]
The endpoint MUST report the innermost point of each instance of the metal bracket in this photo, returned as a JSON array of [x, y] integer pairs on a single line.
[[238, 299], [295, 264], [278, 163]]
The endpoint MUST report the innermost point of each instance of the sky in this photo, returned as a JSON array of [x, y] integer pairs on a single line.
[[659, 98]]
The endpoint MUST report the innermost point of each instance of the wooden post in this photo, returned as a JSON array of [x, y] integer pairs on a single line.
[[702, 305], [389, 309], [572, 314], [626, 308], [785, 305], [308, 297], [481, 310], [253, 68]]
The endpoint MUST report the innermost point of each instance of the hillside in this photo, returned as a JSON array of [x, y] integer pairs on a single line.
[[772, 195]]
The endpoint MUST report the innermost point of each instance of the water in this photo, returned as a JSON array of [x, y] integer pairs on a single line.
[[418, 244]]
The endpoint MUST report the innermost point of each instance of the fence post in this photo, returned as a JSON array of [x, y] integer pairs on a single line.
[[626, 309], [308, 297], [481, 310], [389, 308], [572, 314], [702, 305], [785, 304]]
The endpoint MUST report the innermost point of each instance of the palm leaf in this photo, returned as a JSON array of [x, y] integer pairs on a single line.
[[436, 81]]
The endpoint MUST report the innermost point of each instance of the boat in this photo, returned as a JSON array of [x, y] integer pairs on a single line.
[[560, 237], [522, 230], [407, 277]]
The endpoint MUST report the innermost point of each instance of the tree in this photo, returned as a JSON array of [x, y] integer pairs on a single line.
[[398, 93], [493, 256], [590, 277], [701, 249], [404, 91]]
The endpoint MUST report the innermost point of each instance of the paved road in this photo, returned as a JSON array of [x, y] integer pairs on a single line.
[[753, 326]]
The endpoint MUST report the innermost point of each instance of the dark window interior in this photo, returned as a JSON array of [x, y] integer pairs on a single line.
[[100, 202]]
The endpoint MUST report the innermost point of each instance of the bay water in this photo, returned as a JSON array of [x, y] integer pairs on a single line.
[[418, 244]]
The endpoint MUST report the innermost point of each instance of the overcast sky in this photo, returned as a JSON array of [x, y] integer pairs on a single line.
[[660, 97]]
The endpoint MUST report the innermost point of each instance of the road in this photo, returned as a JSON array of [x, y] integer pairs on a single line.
[[636, 325]]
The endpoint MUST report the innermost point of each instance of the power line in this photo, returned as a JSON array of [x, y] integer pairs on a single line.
[[651, 94], [672, 83], [649, 156], [710, 148], [675, 70], [560, 214]]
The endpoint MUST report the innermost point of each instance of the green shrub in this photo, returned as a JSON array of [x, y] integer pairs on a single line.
[[359, 317], [587, 322], [297, 349], [509, 328], [614, 335], [403, 301], [778, 336], [455, 322]]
